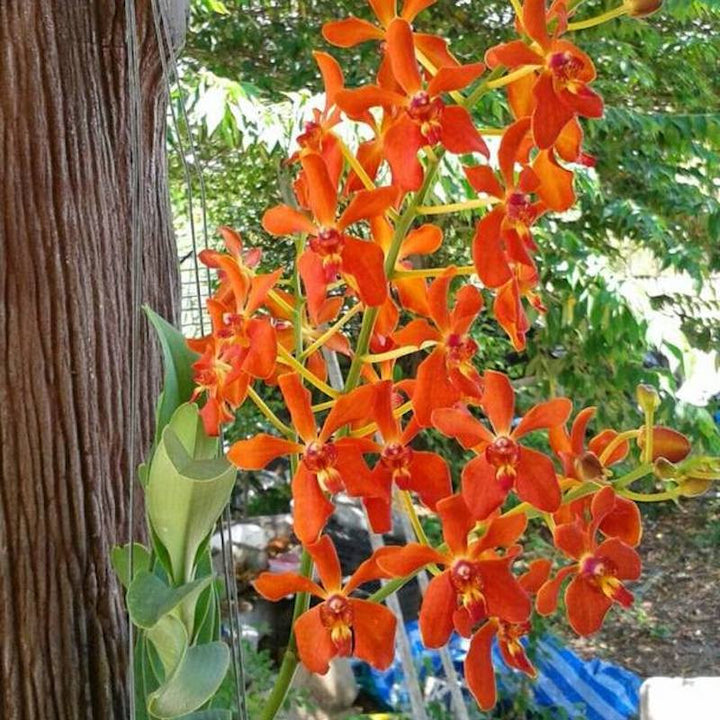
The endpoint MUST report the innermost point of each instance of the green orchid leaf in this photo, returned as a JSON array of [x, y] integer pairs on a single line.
[[120, 559], [149, 598], [170, 639], [187, 490], [194, 682], [178, 383]]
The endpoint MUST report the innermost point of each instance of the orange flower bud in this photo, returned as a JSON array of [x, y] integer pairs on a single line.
[[693, 486], [664, 469], [641, 8], [667, 443]]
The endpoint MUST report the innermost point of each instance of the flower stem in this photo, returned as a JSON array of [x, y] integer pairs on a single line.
[[354, 310], [433, 272], [615, 443], [521, 72], [290, 360], [652, 497], [598, 19], [275, 421], [633, 475], [454, 207]]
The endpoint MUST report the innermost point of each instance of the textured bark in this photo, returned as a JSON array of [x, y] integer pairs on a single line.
[[65, 313]]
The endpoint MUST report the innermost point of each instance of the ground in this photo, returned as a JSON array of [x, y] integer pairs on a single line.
[[674, 627]]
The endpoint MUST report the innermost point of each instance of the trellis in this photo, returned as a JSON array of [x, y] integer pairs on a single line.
[[194, 291]]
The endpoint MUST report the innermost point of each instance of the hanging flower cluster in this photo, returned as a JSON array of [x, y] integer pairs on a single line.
[[356, 221]]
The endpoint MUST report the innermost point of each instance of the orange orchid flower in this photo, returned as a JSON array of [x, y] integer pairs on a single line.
[[423, 240], [447, 374], [318, 136], [561, 89], [425, 473], [508, 306], [598, 572], [477, 582], [502, 463], [479, 670], [331, 251], [423, 118], [328, 465], [242, 344], [341, 625], [353, 31]]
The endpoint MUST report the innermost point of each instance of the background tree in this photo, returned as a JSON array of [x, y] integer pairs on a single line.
[[65, 320]]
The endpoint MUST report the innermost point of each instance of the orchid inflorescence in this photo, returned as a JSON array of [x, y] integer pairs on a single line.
[[354, 237]]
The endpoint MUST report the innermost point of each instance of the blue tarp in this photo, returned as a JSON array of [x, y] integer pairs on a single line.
[[591, 689]]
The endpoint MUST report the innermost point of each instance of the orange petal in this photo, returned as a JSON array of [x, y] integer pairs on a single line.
[[436, 613], [489, 257], [423, 240], [374, 633], [349, 32], [457, 77], [356, 103], [502, 532], [298, 401], [385, 10], [623, 522], [401, 49], [403, 139], [508, 152], [569, 142], [512, 55], [411, 8], [349, 407], [536, 481], [438, 299], [435, 49], [534, 21], [462, 426], [275, 586], [551, 113], [536, 574], [556, 183], [483, 180], [572, 539], [479, 670], [326, 561], [547, 597], [367, 204], [400, 561], [260, 286], [510, 314], [468, 303], [504, 596], [365, 262], [520, 96], [429, 478], [413, 295], [258, 451], [260, 359], [544, 415], [315, 646], [457, 522], [433, 390], [355, 474], [367, 571], [624, 558], [415, 333], [458, 132], [284, 220], [586, 606], [498, 401], [598, 444], [332, 75], [311, 509], [312, 272], [579, 428], [383, 411], [480, 489], [379, 512], [322, 193]]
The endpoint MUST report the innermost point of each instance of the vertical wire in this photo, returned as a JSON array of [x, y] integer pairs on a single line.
[[135, 170], [164, 41]]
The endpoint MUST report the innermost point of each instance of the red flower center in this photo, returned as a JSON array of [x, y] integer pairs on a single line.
[[467, 581], [320, 458], [427, 113], [328, 241], [460, 348], [519, 208], [337, 616], [397, 457], [565, 66], [504, 454], [601, 572]]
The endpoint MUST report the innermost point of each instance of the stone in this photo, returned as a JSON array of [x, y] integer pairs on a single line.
[[330, 693]]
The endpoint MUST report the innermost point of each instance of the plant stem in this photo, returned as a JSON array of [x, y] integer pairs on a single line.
[[274, 420], [290, 659], [455, 207], [633, 475], [599, 19], [615, 443], [432, 272], [354, 310]]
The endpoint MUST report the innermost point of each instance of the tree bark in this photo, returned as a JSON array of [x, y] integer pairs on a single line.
[[65, 317]]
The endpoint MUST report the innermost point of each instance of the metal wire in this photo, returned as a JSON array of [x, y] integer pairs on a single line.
[[135, 169]]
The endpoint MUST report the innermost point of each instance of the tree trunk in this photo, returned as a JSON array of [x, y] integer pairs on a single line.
[[65, 315]]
